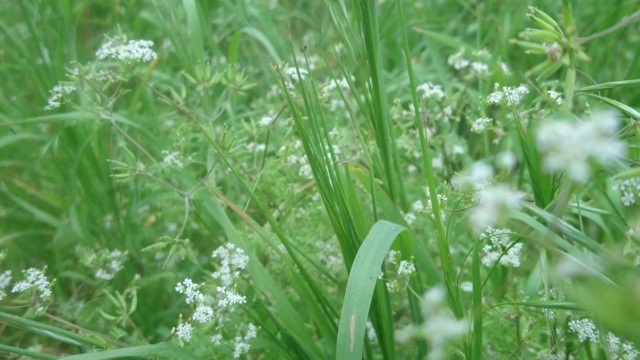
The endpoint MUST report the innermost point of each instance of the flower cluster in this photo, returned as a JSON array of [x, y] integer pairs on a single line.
[[404, 269], [430, 90], [475, 67], [106, 264], [57, 95], [440, 326], [5, 280], [479, 124], [629, 189], [500, 248], [493, 202], [216, 304], [35, 280], [568, 146], [172, 158], [232, 260], [585, 329], [133, 51], [511, 96]]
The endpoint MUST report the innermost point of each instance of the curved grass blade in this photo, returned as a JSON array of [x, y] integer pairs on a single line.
[[360, 286], [163, 350], [609, 85]]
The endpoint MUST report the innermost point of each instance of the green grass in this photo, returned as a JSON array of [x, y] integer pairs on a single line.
[[230, 136]]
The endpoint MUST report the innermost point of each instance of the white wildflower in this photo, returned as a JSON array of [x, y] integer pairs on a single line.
[[35, 279], [183, 332], [440, 326], [507, 95], [506, 160], [479, 124], [568, 146], [499, 242], [505, 68], [333, 84], [406, 268], [202, 314], [229, 297], [466, 286], [172, 158], [132, 51], [232, 260], [458, 61], [417, 206], [479, 68], [585, 329], [410, 218], [5, 279], [620, 350], [190, 290], [555, 96], [57, 95], [629, 190], [266, 120], [430, 90], [293, 74], [493, 202]]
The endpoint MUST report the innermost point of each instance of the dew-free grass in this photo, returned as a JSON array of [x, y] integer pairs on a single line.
[[281, 180]]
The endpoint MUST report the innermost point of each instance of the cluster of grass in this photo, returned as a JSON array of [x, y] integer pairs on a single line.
[[260, 181]]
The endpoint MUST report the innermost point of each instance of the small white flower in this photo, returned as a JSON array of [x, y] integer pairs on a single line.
[[479, 124], [466, 286], [5, 279], [133, 51], [266, 120], [458, 61], [183, 332], [506, 160], [172, 158], [410, 218], [293, 74], [568, 146], [430, 90], [556, 96], [35, 278], [585, 329], [190, 290], [57, 95], [203, 314], [232, 260], [406, 268], [492, 203], [479, 68], [499, 243], [508, 95], [333, 84]]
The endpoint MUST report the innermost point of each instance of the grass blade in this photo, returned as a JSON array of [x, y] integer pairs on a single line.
[[360, 287]]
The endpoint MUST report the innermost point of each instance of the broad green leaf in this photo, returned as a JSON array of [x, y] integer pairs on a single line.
[[360, 286]]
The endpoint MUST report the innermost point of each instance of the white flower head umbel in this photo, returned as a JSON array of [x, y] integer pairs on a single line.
[[501, 248], [570, 146], [585, 329], [507, 95], [35, 279], [58, 94], [493, 202], [132, 51], [440, 327], [430, 90], [232, 260]]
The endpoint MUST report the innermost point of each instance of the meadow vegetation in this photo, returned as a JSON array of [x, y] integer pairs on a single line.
[[319, 179]]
